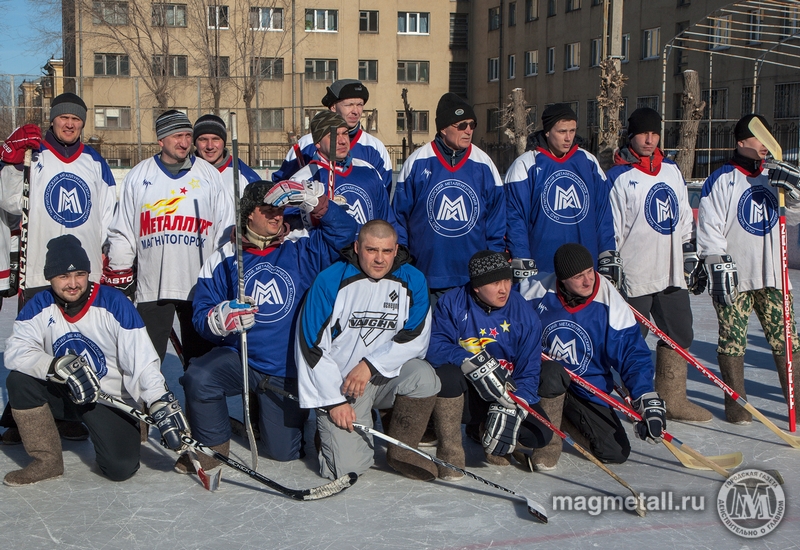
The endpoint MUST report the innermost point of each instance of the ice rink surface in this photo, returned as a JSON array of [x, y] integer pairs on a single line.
[[159, 509]]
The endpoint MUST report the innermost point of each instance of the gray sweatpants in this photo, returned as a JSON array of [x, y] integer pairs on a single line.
[[341, 451]]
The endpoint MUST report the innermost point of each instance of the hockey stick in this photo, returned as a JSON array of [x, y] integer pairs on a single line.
[[566, 437], [176, 344], [792, 440], [251, 440], [636, 417], [766, 138], [534, 508], [315, 493], [23, 234], [332, 161]]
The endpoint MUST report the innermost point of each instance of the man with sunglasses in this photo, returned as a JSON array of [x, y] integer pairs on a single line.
[[449, 201]]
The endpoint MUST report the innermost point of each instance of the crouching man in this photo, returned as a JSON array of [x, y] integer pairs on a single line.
[[363, 331], [68, 343]]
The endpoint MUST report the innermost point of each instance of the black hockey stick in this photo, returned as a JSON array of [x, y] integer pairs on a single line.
[[534, 508], [315, 493], [23, 234]]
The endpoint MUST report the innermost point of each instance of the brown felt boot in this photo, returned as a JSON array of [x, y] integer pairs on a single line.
[[780, 365], [447, 415], [184, 463], [671, 387], [409, 419], [41, 442], [732, 369], [546, 458]]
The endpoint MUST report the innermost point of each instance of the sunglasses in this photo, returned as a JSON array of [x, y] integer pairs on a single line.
[[461, 126]]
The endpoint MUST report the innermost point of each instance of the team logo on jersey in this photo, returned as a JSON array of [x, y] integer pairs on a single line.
[[372, 324], [273, 291], [78, 344], [475, 345], [453, 208], [661, 209], [568, 342], [68, 200], [757, 211], [565, 198], [359, 201]]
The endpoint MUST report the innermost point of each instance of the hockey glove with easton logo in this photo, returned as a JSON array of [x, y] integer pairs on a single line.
[[79, 376], [693, 270], [170, 421], [723, 279], [654, 417], [786, 176], [609, 265], [123, 280], [232, 316], [25, 137], [502, 429], [491, 380]]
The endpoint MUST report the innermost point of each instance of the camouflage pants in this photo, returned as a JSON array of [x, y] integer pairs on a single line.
[[768, 304]]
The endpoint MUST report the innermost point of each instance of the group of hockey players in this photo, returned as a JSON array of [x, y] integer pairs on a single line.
[[455, 298]]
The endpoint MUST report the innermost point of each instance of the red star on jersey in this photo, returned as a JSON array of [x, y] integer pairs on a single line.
[[183, 191], [493, 332]]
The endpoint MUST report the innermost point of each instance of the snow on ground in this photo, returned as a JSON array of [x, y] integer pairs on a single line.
[[159, 509]]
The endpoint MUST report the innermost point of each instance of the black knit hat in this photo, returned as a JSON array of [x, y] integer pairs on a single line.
[[64, 255], [347, 88], [742, 129], [210, 124], [642, 120], [452, 109], [571, 259], [321, 124], [555, 113], [172, 122], [253, 196], [487, 267], [67, 104]]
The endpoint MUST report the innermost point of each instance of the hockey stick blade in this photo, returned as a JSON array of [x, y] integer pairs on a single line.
[[315, 493], [766, 138]]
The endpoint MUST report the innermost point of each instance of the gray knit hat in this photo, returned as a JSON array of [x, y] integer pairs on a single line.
[[172, 122], [487, 267], [210, 124], [346, 88], [67, 104], [321, 124]]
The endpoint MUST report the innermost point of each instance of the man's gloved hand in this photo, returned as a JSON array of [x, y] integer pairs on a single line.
[[786, 176], [491, 380], [723, 279], [232, 316], [25, 137], [170, 420], [522, 268], [302, 194], [654, 417], [123, 280], [693, 270], [79, 376], [609, 265], [502, 429]]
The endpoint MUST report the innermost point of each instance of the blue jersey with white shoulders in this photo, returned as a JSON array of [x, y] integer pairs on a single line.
[[592, 338], [512, 334]]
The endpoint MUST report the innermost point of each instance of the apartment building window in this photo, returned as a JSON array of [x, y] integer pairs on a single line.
[[169, 15], [367, 21], [649, 101], [494, 69], [787, 100], [531, 10], [368, 70], [626, 47], [322, 20], [597, 2], [494, 19], [110, 13], [592, 114], [791, 21], [308, 115], [532, 63], [219, 67], [651, 43], [369, 120], [459, 78], [572, 56], [512, 14], [218, 17], [175, 65], [270, 119], [413, 71], [552, 7], [266, 19], [321, 69], [551, 60], [755, 26], [111, 64], [681, 56], [268, 68], [413, 22], [512, 66], [716, 104], [493, 119], [596, 54], [721, 33], [459, 35], [747, 100], [573, 5], [112, 118], [419, 121]]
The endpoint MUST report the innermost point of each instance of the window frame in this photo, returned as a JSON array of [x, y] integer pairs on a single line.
[[121, 60], [365, 77], [529, 62], [270, 73], [118, 13], [572, 56], [420, 65], [531, 10], [551, 60], [495, 19], [274, 14], [368, 19], [172, 66], [419, 18], [219, 23], [416, 118], [105, 108], [493, 69], [511, 67], [272, 111], [330, 16], [162, 9], [651, 49], [595, 52], [327, 71]]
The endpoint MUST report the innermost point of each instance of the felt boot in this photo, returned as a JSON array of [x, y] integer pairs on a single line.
[[732, 369], [409, 419], [546, 458], [41, 441], [671, 387], [447, 415]]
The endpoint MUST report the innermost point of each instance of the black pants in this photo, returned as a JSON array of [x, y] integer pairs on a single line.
[[601, 426], [671, 312], [115, 435], [158, 318]]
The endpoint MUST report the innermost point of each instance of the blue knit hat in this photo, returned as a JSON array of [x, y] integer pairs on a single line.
[[65, 254]]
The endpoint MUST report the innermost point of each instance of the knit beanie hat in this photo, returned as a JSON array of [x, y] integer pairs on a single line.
[[487, 267], [570, 259], [67, 104], [321, 124], [346, 88], [64, 255], [642, 120], [172, 122], [252, 197], [210, 124], [742, 129], [452, 109], [555, 113]]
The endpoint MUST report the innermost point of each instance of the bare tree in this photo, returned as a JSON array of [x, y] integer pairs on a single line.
[[693, 108], [610, 101], [514, 119], [409, 120]]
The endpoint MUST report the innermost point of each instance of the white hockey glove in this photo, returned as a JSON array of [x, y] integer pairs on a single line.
[[79, 376], [232, 316], [723, 279], [654, 417], [502, 429], [522, 268], [302, 194], [170, 421], [609, 265], [490, 378], [787, 176], [693, 271]]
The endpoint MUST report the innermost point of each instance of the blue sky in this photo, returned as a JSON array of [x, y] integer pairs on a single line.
[[20, 52]]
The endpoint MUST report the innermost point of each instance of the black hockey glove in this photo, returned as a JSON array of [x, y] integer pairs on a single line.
[[522, 268], [490, 378], [786, 176], [693, 270], [723, 279], [170, 420], [609, 265], [502, 429], [79, 376], [654, 417]]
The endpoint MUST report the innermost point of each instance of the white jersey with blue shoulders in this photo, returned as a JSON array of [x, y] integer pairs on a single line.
[[246, 176]]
